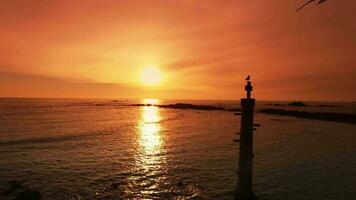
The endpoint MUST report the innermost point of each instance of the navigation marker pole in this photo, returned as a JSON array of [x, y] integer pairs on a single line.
[[244, 184]]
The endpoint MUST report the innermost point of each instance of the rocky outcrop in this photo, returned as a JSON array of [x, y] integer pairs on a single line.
[[184, 106], [15, 190], [327, 116]]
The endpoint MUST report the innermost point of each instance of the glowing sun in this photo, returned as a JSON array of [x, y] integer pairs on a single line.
[[151, 76]]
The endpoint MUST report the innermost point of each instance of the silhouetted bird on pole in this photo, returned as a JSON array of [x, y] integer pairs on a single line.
[[248, 78], [319, 2]]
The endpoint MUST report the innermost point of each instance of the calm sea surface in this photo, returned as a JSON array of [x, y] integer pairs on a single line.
[[103, 149]]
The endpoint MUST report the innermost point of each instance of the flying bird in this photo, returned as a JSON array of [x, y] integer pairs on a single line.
[[319, 2], [247, 78]]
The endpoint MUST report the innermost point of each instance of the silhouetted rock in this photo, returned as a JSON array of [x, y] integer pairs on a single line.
[[184, 106], [15, 184], [191, 106], [180, 183], [29, 194], [256, 125], [297, 103], [10, 188], [327, 116], [234, 110], [294, 103], [14, 190], [275, 104], [115, 185], [327, 105], [253, 197]]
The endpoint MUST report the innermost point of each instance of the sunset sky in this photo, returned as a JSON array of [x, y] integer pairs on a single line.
[[196, 49]]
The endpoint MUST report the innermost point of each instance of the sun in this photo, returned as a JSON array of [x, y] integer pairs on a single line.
[[151, 76]]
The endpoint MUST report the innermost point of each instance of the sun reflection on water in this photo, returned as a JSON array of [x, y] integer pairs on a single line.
[[150, 156], [150, 130]]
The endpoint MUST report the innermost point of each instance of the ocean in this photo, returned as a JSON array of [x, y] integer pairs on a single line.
[[107, 149]]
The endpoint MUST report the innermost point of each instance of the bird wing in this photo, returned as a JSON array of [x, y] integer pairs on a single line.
[[305, 5]]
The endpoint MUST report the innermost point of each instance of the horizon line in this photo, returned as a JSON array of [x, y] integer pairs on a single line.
[[194, 99]]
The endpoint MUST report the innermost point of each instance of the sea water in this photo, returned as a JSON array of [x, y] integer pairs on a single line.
[[105, 149]]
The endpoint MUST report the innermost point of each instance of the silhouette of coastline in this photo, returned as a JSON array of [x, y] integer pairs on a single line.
[[302, 104], [15, 190], [234, 110], [188, 106], [294, 103], [191, 106], [326, 116], [297, 103], [184, 106], [327, 105]]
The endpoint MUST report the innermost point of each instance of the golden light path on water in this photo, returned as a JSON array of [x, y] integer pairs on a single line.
[[150, 156], [150, 128]]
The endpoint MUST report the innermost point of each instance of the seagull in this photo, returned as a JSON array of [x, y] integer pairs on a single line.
[[247, 78], [319, 2]]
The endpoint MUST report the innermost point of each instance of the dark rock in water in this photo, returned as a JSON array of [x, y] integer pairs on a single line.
[[236, 140], [114, 185], [184, 106], [327, 105], [10, 188], [180, 183], [234, 109], [15, 190], [15, 184], [297, 103], [275, 104], [294, 103], [327, 116], [238, 196], [191, 106], [28, 194], [4, 191]]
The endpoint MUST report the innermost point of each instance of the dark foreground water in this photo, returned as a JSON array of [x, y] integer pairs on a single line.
[[99, 149]]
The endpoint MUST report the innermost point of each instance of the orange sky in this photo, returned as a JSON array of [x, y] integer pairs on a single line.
[[205, 48]]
